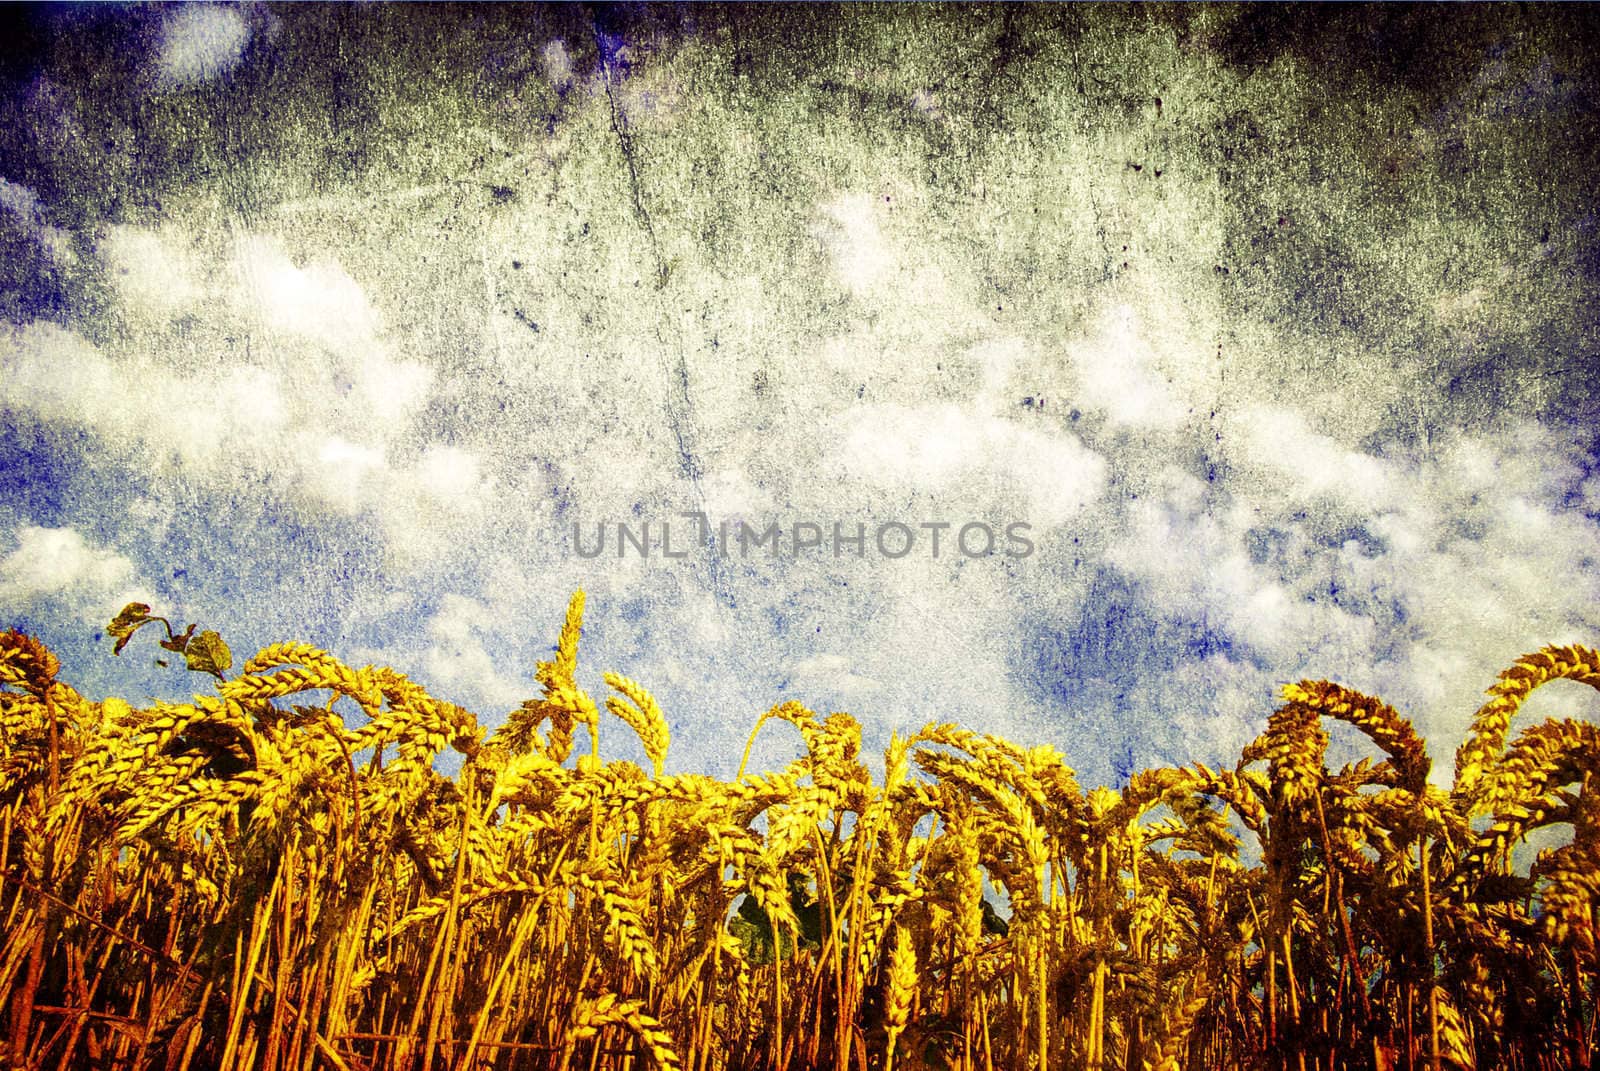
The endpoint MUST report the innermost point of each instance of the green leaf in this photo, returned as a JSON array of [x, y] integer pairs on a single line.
[[993, 922], [178, 643], [206, 653], [754, 930], [125, 624], [755, 937]]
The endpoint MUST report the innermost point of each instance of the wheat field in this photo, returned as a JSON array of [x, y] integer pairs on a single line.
[[277, 876]]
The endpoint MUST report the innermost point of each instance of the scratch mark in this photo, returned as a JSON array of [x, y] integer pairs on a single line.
[[679, 403]]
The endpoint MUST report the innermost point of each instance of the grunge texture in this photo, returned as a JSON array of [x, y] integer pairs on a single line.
[[1276, 326]]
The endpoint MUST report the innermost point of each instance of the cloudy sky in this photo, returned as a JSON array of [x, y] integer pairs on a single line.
[[1277, 330]]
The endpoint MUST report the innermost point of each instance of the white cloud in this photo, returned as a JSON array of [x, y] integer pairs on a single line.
[[345, 475], [388, 391], [199, 42], [448, 474], [433, 508], [211, 423], [1204, 709], [1459, 563], [939, 448], [61, 563], [1194, 561], [322, 427], [1453, 306], [61, 376], [729, 492], [1486, 565], [1279, 444], [862, 255], [24, 204], [557, 63], [319, 302], [1119, 373], [153, 274], [215, 420], [942, 652], [458, 660], [19, 200], [248, 401], [829, 674]]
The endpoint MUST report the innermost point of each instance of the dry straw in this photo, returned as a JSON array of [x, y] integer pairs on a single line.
[[278, 876]]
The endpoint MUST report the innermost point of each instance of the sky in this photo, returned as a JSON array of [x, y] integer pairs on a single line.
[[1261, 342]]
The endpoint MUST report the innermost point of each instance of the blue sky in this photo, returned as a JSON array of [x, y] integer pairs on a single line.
[[1276, 330]]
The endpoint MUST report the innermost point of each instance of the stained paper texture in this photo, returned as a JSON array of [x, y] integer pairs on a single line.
[[1271, 333]]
